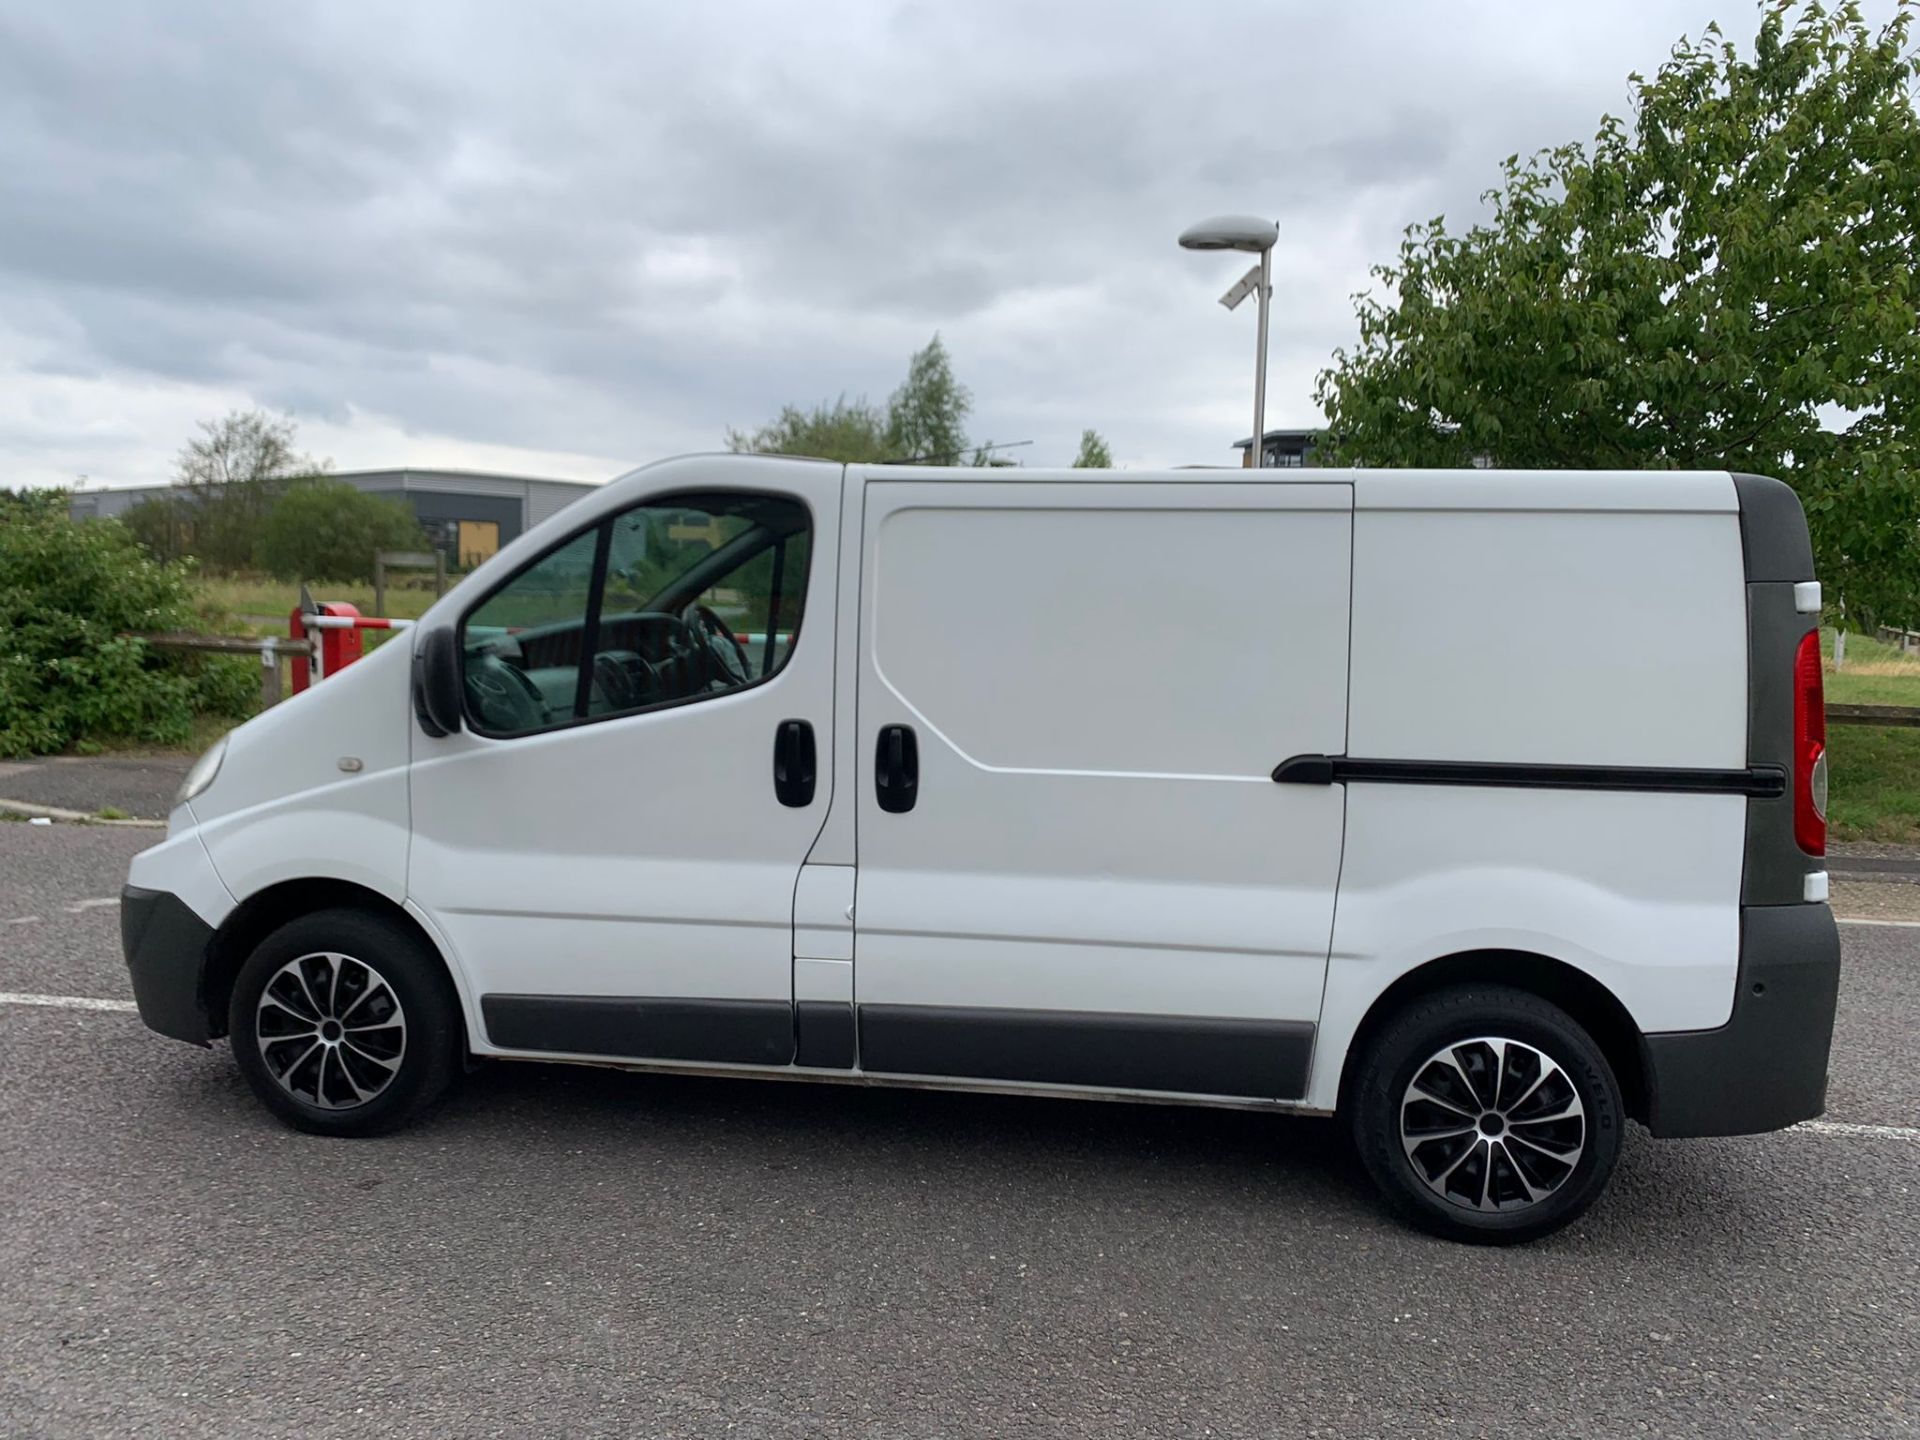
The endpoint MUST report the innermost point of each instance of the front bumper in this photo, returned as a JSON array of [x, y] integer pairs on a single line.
[[1766, 1068], [165, 944]]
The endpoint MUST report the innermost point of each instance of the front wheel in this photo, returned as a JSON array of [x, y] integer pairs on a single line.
[[1487, 1115], [345, 1024]]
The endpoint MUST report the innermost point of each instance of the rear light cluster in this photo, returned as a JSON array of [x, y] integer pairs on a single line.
[[1809, 747]]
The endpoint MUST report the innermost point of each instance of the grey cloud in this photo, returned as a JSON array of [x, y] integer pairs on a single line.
[[616, 230]]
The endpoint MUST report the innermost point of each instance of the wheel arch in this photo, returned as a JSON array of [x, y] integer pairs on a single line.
[[266, 910], [1597, 1009]]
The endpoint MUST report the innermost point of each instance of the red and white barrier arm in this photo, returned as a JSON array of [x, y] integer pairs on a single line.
[[353, 622]]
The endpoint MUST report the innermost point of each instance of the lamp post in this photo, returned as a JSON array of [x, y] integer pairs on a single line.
[[1255, 237]]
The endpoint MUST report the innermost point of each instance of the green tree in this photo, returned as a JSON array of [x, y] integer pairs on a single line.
[[1726, 280], [163, 525], [327, 530], [1094, 454], [71, 595], [925, 422], [927, 415], [851, 431], [232, 474]]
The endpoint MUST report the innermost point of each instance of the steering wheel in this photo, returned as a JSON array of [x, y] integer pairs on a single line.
[[626, 680], [504, 696], [732, 657]]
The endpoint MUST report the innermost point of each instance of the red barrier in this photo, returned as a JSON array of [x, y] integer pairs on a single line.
[[340, 645]]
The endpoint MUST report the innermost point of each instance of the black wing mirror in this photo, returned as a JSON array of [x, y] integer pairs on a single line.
[[437, 696]]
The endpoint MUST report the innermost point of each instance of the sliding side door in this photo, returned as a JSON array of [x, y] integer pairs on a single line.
[[1074, 867]]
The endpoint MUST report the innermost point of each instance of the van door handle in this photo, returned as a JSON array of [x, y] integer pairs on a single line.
[[896, 769], [794, 763]]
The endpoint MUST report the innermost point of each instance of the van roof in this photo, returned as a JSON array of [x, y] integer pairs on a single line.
[[1695, 491]]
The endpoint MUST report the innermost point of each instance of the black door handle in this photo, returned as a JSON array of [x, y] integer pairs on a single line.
[[896, 769], [793, 763]]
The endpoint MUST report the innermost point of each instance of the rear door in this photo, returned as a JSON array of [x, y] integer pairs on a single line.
[[1074, 867]]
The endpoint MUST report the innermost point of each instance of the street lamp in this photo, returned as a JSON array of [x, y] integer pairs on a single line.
[[1255, 237]]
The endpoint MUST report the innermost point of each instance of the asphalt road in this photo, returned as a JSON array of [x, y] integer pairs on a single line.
[[141, 786], [567, 1251]]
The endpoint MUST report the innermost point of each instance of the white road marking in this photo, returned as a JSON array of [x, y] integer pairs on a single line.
[[79, 905], [1873, 1132], [25, 920], [1889, 924], [64, 1002]]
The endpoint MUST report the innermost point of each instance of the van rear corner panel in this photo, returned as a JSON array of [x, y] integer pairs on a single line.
[[1783, 609], [1555, 669]]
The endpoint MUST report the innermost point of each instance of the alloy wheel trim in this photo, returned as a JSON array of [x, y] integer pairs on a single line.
[[330, 1030], [1492, 1124]]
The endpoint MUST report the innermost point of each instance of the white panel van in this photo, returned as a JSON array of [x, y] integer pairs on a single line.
[[1482, 809]]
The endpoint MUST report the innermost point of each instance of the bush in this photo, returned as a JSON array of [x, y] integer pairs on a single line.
[[69, 673], [327, 530]]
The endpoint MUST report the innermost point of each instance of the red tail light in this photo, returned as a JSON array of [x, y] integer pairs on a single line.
[[1809, 747]]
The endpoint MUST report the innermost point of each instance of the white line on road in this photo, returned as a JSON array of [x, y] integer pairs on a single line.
[[64, 1002], [1890, 924], [1876, 1132], [77, 906], [25, 920]]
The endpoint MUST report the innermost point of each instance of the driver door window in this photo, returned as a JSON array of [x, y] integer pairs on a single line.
[[675, 601]]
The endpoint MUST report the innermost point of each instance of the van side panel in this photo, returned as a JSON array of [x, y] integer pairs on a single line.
[[1573, 636]]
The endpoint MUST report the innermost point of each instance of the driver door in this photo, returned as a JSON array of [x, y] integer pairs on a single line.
[[602, 845]]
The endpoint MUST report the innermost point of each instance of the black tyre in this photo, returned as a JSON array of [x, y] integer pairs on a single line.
[[1485, 1114], [344, 1023]]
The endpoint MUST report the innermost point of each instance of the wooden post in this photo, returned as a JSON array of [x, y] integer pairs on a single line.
[[269, 673], [406, 560], [1839, 649]]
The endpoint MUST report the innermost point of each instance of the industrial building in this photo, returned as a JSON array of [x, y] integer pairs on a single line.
[[467, 514], [1285, 449]]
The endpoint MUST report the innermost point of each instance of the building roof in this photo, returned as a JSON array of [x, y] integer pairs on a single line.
[[378, 473], [1313, 433]]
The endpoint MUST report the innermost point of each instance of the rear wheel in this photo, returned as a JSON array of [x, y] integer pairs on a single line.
[[345, 1024], [1486, 1114]]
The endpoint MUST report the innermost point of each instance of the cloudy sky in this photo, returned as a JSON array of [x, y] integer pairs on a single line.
[[570, 238]]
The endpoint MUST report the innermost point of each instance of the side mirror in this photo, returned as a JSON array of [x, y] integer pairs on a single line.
[[437, 696]]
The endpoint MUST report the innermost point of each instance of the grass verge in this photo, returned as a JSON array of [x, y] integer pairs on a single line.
[[241, 596], [1874, 783], [1875, 674]]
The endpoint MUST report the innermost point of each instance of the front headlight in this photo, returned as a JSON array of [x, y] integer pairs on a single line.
[[202, 773]]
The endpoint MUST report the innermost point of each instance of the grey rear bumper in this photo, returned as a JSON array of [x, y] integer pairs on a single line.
[[1766, 1068]]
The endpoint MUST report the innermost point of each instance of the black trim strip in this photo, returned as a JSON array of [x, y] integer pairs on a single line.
[[1773, 530], [1761, 781], [734, 1032], [824, 1030], [1186, 1054]]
